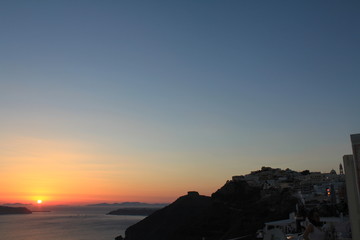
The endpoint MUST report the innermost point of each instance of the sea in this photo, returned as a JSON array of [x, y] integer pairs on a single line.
[[66, 223]]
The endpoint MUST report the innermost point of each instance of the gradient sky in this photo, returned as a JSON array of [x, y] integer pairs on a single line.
[[145, 100]]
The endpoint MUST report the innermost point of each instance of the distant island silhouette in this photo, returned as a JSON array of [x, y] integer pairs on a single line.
[[14, 210], [134, 211], [130, 204]]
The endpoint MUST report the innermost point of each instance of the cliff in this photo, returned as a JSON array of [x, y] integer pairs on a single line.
[[235, 210], [171, 221], [14, 210]]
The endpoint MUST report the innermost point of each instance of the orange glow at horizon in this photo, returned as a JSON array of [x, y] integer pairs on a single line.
[[63, 172]]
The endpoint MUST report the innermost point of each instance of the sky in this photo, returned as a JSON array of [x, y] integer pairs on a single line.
[[111, 101]]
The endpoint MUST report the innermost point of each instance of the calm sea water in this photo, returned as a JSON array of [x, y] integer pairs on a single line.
[[65, 224]]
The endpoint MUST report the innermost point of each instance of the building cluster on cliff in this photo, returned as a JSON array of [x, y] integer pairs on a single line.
[[313, 187]]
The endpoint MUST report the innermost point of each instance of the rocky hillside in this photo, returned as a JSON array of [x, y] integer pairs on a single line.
[[235, 210]]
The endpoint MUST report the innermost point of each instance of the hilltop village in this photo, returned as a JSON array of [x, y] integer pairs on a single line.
[[312, 187], [244, 204]]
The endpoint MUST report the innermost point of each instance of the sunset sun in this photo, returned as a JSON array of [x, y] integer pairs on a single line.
[[39, 201]]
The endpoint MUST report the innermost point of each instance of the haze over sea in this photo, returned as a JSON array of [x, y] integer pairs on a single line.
[[70, 223]]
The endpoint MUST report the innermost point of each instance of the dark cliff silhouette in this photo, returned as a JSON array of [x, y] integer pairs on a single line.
[[14, 210], [235, 210], [170, 221]]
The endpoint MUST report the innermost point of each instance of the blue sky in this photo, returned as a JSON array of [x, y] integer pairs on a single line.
[[202, 89]]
